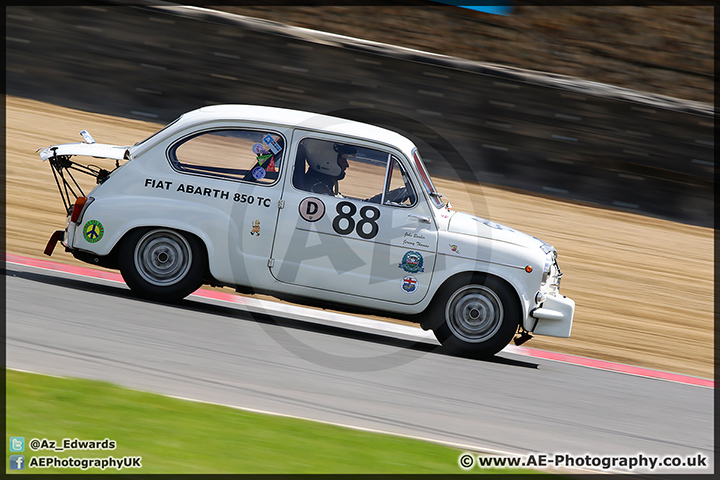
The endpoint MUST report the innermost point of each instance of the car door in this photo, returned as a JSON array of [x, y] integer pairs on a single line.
[[371, 234], [236, 168]]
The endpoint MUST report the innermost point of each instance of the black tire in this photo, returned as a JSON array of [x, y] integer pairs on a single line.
[[480, 316], [162, 264]]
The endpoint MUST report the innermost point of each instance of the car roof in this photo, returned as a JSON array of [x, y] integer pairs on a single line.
[[288, 118]]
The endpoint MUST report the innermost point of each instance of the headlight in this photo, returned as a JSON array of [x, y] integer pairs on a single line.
[[545, 247]]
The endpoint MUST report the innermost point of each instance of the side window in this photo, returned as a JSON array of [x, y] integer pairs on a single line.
[[340, 169], [251, 156], [399, 190]]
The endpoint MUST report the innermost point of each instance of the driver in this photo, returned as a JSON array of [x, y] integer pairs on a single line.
[[327, 164]]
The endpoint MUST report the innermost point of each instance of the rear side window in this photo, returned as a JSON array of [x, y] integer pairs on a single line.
[[245, 155]]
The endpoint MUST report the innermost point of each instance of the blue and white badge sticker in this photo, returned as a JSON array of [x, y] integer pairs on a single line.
[[258, 173], [271, 143], [409, 284], [412, 262], [492, 224]]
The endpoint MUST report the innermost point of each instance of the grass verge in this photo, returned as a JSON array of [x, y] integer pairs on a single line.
[[177, 436]]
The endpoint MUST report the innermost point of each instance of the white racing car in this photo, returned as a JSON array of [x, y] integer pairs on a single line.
[[307, 208]]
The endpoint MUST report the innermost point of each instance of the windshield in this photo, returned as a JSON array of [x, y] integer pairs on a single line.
[[426, 181]]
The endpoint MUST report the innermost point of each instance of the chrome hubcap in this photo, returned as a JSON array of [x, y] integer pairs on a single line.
[[162, 257], [474, 313]]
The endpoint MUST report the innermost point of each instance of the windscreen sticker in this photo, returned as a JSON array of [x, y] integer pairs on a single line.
[[409, 284], [258, 173], [259, 149], [263, 158], [271, 143], [311, 209], [412, 262], [93, 231]]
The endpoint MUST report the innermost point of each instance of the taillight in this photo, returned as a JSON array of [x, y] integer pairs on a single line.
[[80, 205]]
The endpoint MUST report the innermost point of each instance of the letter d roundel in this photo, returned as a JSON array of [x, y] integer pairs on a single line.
[[311, 209]]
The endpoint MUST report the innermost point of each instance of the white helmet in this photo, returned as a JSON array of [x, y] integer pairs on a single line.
[[322, 156]]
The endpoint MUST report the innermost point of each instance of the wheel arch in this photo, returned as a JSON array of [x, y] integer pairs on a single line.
[[112, 257], [475, 276], [122, 216]]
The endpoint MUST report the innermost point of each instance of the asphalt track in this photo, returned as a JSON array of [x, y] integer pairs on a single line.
[[303, 363]]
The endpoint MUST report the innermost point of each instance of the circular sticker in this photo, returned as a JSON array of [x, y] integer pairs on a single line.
[[258, 173], [259, 149], [311, 209], [93, 231], [409, 284], [412, 262]]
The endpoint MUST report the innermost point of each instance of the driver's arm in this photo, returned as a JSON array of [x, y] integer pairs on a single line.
[[374, 198]]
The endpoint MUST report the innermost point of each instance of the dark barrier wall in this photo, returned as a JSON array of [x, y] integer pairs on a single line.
[[551, 135]]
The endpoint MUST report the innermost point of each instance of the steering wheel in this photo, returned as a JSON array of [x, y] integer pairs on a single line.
[[396, 196], [399, 195]]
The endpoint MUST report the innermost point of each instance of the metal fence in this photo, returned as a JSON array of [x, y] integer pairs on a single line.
[[545, 134]]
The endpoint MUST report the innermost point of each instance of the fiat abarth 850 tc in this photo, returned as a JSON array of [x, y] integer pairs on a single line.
[[308, 208]]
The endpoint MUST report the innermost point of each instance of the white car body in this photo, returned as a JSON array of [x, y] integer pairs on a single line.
[[388, 257]]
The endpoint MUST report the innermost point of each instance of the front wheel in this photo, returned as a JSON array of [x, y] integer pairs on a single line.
[[480, 316], [162, 264]]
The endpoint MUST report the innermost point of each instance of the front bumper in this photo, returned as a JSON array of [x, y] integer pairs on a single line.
[[554, 316]]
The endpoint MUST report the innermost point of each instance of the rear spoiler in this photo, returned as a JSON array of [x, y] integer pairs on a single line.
[[60, 156], [97, 150]]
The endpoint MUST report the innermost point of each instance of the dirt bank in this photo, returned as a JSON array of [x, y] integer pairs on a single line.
[[660, 49]]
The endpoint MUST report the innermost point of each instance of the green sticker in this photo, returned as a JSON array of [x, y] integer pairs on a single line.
[[261, 158], [93, 231]]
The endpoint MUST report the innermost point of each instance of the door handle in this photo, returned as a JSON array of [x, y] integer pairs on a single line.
[[419, 218]]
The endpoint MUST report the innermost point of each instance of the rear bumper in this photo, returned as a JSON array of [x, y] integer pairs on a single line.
[[554, 316]]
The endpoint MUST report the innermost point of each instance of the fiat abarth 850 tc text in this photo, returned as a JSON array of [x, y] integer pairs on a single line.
[[308, 208]]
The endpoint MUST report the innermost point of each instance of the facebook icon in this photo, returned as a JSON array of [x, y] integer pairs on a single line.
[[17, 462]]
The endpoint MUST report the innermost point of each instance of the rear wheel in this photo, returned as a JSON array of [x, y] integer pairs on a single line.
[[479, 316], [162, 264]]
